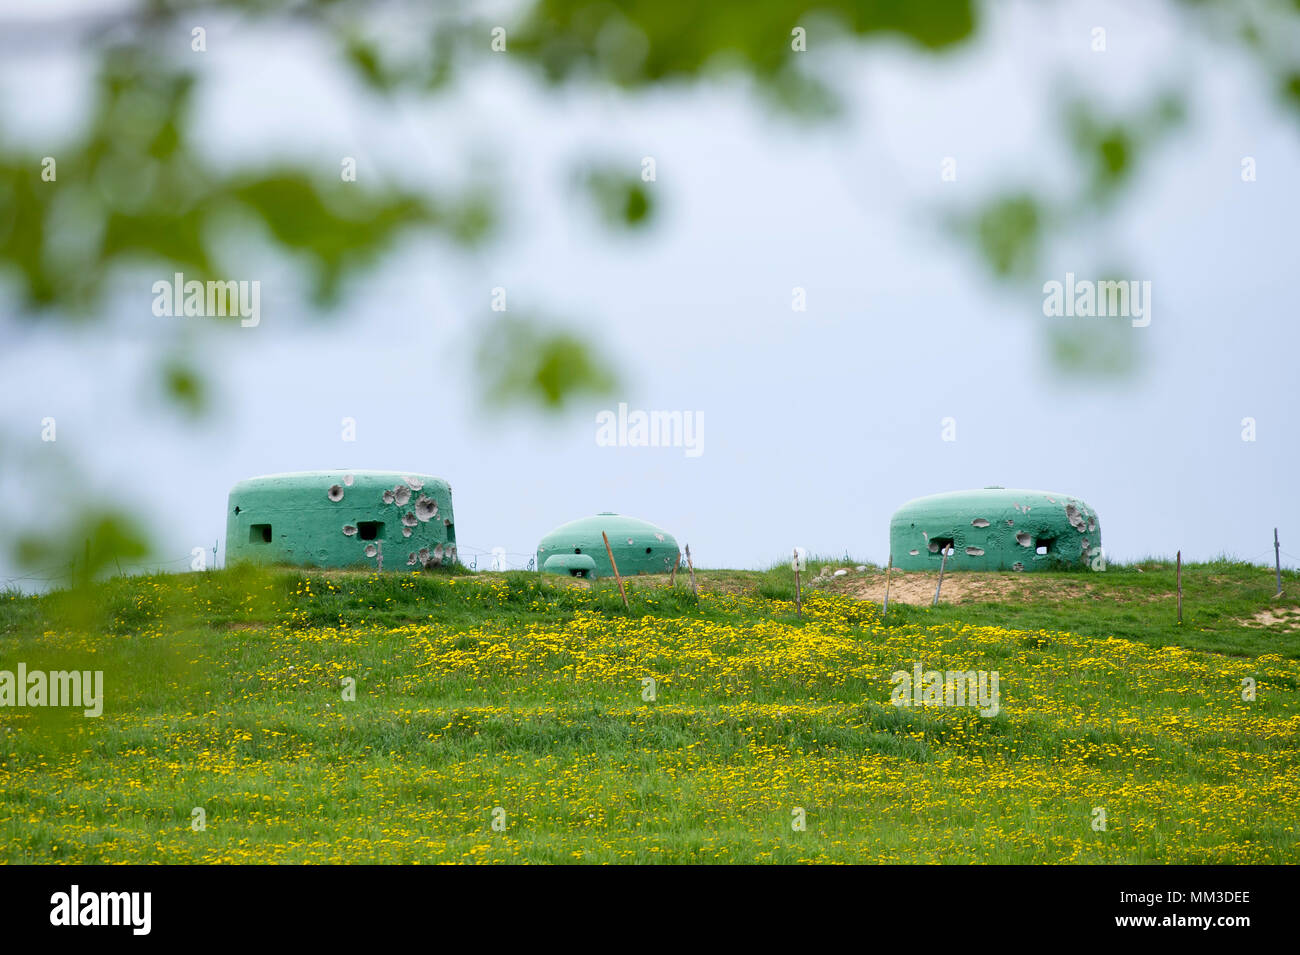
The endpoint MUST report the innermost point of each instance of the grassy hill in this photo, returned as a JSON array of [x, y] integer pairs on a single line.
[[229, 731]]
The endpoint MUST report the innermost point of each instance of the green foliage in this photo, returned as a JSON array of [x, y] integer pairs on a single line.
[[519, 360], [1108, 148], [1008, 232], [641, 42], [623, 199], [184, 385], [93, 541], [133, 189]]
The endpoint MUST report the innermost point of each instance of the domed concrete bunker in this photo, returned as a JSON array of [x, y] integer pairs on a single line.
[[995, 528], [342, 519], [577, 548]]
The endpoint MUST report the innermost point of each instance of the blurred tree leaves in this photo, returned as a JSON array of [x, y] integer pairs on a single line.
[[621, 198], [1007, 232], [184, 385], [132, 188], [640, 42], [94, 540], [1109, 147], [522, 361]]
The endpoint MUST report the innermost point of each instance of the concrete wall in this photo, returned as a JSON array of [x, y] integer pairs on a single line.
[[995, 529], [341, 519]]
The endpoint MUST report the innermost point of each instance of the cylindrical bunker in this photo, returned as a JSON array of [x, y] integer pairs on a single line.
[[577, 548], [341, 519], [995, 528]]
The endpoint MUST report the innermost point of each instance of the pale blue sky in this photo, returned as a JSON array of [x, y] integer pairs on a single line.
[[817, 424]]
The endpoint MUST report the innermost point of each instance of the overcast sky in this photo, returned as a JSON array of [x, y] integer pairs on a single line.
[[817, 424]]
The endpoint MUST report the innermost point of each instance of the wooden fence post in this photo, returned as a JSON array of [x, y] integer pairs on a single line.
[[1180, 587], [798, 594], [942, 564], [610, 551], [691, 567], [888, 570], [1277, 562]]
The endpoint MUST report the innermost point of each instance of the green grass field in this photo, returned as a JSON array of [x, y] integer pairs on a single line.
[[523, 702]]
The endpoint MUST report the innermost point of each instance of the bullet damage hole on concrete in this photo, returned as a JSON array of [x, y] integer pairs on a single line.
[[409, 519], [335, 493], [387, 497], [371, 550], [979, 522], [414, 484], [347, 479], [401, 494], [349, 529], [1024, 539], [406, 532], [426, 508], [1017, 566], [975, 551], [1075, 518], [437, 552]]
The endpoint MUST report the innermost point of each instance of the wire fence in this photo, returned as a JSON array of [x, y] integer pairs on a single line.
[[470, 556], [68, 570]]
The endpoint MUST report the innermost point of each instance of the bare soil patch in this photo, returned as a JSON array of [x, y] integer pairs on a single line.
[[917, 587], [1284, 618]]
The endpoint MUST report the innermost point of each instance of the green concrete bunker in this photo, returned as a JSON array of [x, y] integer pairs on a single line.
[[577, 548], [342, 519], [995, 528]]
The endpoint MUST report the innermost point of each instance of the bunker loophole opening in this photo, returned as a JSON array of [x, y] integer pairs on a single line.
[[370, 530], [1043, 545], [259, 533], [941, 545]]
